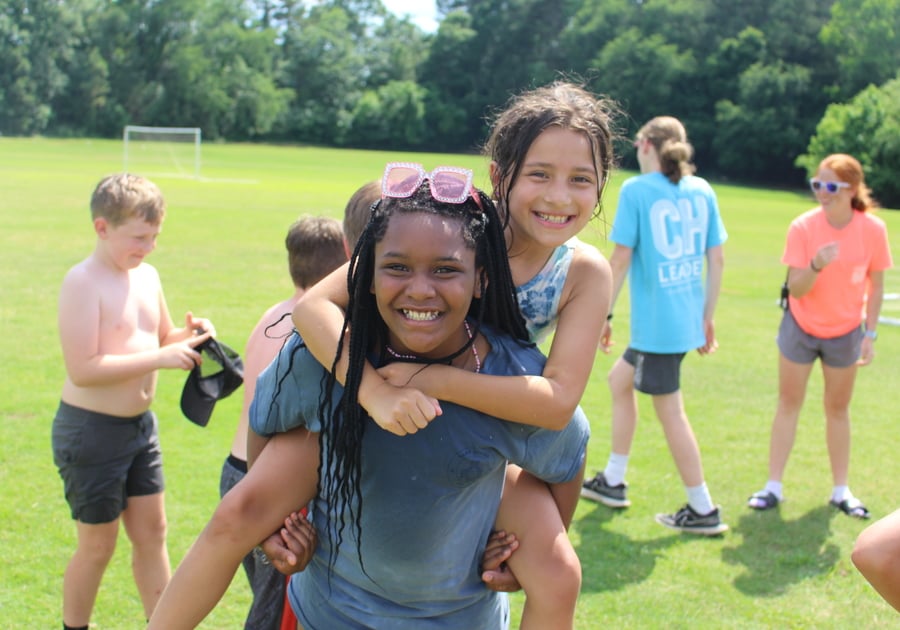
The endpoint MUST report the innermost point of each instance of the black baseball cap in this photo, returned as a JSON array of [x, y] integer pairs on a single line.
[[218, 375]]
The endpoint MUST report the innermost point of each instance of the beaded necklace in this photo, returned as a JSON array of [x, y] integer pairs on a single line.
[[412, 357]]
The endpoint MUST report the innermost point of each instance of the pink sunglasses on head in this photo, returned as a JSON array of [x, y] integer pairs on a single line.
[[449, 184]]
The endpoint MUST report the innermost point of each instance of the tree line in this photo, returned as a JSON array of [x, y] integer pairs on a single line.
[[765, 88]]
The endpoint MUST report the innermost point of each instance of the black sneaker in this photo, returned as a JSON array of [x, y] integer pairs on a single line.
[[687, 520], [597, 489]]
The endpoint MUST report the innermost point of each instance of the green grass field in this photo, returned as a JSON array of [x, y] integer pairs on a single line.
[[221, 255]]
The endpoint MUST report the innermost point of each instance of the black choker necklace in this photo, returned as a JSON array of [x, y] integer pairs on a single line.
[[412, 357]]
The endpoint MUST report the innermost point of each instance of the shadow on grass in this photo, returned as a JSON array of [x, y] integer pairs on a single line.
[[615, 560], [779, 553]]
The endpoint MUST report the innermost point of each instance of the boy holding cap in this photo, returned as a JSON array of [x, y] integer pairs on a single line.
[[116, 332]]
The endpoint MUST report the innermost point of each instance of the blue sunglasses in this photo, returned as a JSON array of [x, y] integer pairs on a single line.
[[831, 187]]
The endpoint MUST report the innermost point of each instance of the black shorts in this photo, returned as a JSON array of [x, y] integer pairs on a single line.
[[655, 374], [105, 459]]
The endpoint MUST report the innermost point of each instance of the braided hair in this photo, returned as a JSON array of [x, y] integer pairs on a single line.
[[344, 420]]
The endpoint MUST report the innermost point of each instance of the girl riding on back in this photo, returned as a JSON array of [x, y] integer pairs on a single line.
[[551, 155], [429, 281]]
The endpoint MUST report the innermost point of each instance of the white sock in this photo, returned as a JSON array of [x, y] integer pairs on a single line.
[[775, 488], [700, 499], [841, 493], [615, 469]]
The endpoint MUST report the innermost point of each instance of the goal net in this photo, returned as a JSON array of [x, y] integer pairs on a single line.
[[154, 151]]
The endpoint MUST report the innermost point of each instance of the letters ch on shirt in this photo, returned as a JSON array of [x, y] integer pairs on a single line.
[[679, 235]]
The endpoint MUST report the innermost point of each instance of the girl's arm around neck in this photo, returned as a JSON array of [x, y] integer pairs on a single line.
[[548, 400], [319, 318]]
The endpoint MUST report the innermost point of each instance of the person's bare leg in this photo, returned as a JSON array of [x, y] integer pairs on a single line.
[[545, 562], [81, 581], [877, 556], [680, 437], [283, 479], [145, 524], [624, 406], [838, 392], [792, 381]]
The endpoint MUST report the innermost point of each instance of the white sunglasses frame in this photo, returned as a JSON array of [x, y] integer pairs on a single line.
[[817, 184]]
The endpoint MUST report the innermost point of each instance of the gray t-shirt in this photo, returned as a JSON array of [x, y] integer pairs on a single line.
[[429, 503]]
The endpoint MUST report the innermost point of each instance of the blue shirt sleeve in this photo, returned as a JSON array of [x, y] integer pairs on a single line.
[[287, 392], [553, 456]]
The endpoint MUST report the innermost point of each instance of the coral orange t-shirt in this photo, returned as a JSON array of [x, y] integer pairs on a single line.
[[835, 304]]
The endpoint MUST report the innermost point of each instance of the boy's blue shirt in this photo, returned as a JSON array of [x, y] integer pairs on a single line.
[[429, 499]]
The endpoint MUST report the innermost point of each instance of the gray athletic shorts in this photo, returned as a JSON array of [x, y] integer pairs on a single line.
[[104, 459], [801, 347], [655, 374]]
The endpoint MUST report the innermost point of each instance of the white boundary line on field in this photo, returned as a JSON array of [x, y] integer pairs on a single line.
[[226, 180], [890, 321]]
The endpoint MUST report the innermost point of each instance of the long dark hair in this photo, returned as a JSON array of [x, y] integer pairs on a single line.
[[344, 421], [563, 105]]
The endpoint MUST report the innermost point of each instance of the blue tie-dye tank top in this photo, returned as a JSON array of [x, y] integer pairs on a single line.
[[539, 297]]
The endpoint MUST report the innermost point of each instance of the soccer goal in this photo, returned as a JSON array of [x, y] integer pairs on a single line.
[[171, 151]]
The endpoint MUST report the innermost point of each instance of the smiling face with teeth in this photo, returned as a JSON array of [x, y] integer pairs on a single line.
[[555, 193], [424, 281]]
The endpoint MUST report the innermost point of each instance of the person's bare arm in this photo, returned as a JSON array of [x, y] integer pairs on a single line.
[[877, 556], [247, 514], [619, 263], [255, 445], [874, 300], [319, 318], [265, 341], [715, 264], [86, 364], [802, 279]]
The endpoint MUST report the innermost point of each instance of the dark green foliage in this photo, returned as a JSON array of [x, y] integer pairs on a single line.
[[750, 80], [868, 127]]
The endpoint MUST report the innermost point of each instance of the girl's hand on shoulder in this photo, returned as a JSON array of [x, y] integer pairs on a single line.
[[401, 410]]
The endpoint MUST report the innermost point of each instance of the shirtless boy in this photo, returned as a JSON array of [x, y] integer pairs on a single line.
[[116, 332]]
